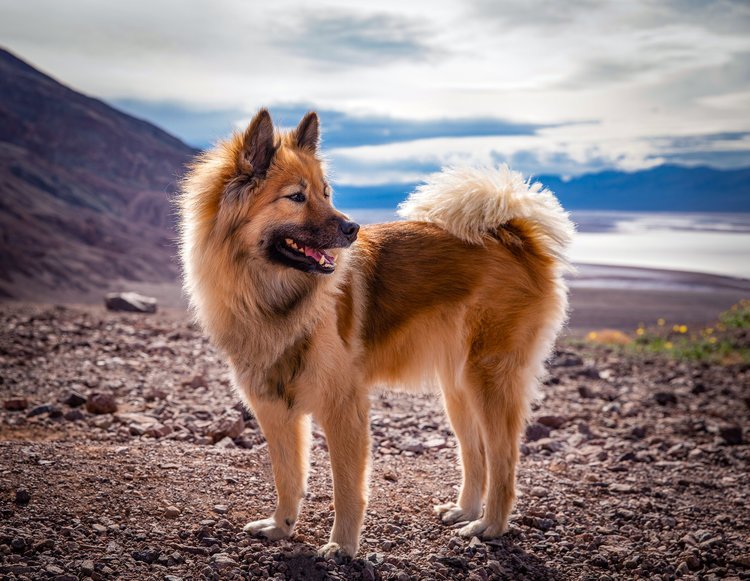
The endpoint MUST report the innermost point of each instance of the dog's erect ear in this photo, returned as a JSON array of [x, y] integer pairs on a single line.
[[258, 145], [308, 132]]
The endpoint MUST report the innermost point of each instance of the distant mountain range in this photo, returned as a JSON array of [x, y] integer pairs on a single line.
[[666, 188], [85, 192]]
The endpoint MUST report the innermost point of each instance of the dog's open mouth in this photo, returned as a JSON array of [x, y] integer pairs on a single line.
[[306, 257]]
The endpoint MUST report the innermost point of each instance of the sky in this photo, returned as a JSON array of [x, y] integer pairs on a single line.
[[404, 88]]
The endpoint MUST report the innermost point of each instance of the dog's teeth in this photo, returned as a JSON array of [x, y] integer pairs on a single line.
[[289, 241], [322, 261]]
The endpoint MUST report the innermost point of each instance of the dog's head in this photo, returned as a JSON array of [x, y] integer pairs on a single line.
[[277, 204]]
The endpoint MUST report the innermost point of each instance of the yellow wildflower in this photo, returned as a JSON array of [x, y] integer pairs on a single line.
[[683, 329], [640, 331], [668, 345], [660, 322]]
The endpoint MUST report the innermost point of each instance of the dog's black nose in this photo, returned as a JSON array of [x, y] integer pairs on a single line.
[[349, 229]]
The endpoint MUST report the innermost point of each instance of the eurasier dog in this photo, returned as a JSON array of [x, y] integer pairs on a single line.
[[311, 311]]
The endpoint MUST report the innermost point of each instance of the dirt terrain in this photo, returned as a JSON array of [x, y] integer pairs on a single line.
[[632, 468]]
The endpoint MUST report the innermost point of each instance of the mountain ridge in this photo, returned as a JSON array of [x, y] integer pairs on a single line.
[[85, 191]]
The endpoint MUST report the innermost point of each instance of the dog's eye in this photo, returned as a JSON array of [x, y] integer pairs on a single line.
[[299, 197]]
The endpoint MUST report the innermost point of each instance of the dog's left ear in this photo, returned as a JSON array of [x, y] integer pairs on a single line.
[[308, 132]]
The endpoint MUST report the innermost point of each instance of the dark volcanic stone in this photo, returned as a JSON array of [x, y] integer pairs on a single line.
[[536, 432], [553, 422], [566, 360], [74, 399], [638, 432], [130, 302], [146, 556], [39, 410], [665, 398], [101, 403], [590, 373], [731, 435], [230, 425], [74, 415], [16, 404], [22, 496], [18, 544]]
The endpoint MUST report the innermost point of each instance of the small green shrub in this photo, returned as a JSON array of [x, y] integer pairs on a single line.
[[726, 342]]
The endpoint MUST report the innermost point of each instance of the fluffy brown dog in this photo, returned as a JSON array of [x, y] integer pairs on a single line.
[[311, 312]]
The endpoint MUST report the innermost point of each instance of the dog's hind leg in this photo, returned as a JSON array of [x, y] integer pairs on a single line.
[[346, 425], [500, 387], [464, 422], [288, 435]]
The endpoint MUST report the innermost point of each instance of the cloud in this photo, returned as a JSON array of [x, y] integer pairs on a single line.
[[341, 129], [535, 14], [195, 126], [353, 39], [557, 152], [728, 150], [406, 86], [720, 16], [717, 159], [202, 127]]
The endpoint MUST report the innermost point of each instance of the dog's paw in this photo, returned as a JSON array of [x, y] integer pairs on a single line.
[[268, 529], [482, 529], [336, 551], [451, 513]]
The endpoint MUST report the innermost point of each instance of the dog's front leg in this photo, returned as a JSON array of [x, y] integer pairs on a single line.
[[288, 435], [346, 425]]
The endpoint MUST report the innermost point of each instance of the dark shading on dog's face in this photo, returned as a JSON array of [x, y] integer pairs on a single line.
[[305, 246], [290, 215]]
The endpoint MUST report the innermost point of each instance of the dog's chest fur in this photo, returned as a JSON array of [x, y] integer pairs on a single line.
[[276, 347]]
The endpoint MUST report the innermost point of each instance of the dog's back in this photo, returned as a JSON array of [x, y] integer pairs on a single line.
[[481, 257]]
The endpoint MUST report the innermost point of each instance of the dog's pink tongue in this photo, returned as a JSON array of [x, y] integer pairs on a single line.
[[312, 253], [317, 254]]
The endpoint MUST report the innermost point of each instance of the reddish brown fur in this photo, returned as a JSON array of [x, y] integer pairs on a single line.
[[407, 303]]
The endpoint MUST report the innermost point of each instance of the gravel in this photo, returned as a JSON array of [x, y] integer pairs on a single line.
[[614, 483]]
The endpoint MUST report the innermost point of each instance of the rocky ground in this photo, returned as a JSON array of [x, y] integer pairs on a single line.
[[123, 455]]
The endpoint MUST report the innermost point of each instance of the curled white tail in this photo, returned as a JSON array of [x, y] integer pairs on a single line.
[[470, 202]]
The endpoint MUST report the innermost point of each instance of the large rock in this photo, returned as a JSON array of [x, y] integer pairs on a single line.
[[101, 403], [230, 425], [16, 404], [536, 432], [130, 302]]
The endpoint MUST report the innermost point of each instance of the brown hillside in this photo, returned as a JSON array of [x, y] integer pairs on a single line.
[[84, 191]]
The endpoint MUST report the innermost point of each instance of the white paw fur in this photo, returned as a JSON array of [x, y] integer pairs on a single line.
[[268, 529], [482, 529], [451, 513], [334, 550]]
